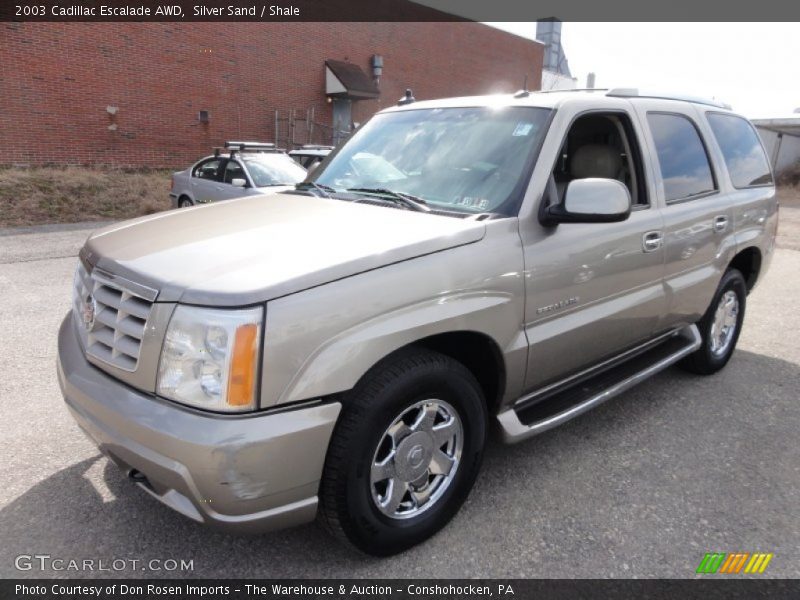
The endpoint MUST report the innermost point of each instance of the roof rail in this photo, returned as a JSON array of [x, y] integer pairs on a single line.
[[635, 93], [571, 90]]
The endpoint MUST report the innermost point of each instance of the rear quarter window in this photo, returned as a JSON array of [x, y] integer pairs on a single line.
[[742, 150]]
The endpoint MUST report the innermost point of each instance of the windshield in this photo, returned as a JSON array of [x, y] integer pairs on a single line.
[[274, 169], [471, 159]]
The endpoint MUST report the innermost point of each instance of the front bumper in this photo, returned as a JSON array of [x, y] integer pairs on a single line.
[[242, 473]]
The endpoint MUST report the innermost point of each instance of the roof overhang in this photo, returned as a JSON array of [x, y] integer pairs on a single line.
[[348, 81], [786, 125]]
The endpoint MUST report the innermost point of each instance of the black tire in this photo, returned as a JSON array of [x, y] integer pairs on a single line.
[[347, 508], [705, 361], [185, 202]]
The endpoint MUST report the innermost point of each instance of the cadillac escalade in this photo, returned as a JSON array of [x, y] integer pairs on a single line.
[[342, 350]]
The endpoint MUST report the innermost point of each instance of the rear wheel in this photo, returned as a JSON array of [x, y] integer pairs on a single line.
[[720, 326], [405, 453], [185, 202]]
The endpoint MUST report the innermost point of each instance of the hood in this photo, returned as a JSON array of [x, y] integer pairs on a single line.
[[253, 249]]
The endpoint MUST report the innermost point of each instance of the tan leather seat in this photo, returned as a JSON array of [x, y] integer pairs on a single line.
[[596, 160], [589, 160]]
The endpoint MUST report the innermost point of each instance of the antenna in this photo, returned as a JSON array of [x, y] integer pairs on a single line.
[[407, 99], [523, 93]]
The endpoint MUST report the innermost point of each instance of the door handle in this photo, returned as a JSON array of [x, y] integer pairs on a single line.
[[720, 223], [651, 241]]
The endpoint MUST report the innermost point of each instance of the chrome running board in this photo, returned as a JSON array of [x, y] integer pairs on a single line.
[[545, 411]]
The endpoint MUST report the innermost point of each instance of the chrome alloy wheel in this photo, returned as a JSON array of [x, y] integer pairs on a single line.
[[723, 327], [417, 458]]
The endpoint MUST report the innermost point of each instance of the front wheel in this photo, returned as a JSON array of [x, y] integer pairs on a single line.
[[185, 202], [720, 326], [405, 453]]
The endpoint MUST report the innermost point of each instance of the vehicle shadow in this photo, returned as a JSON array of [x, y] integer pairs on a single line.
[[631, 478]]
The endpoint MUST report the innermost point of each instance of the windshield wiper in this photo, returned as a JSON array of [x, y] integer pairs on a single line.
[[324, 190], [406, 199]]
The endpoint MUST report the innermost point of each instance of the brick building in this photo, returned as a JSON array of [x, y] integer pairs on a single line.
[[162, 94]]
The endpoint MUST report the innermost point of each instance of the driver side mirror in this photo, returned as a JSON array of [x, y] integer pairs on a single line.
[[238, 182], [591, 200]]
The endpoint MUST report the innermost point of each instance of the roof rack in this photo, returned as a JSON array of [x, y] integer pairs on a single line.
[[235, 146], [311, 150], [250, 146], [635, 93]]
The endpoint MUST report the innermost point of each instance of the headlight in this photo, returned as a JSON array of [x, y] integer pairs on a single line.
[[210, 358]]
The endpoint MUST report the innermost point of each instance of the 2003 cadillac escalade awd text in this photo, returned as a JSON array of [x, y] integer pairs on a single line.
[[342, 349]]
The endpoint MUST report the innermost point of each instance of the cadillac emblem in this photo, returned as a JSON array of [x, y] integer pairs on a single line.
[[89, 311]]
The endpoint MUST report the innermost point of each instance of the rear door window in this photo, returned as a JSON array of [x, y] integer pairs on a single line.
[[682, 156], [744, 155], [209, 169]]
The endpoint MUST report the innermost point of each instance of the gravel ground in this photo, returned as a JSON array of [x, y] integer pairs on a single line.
[[641, 487], [789, 228]]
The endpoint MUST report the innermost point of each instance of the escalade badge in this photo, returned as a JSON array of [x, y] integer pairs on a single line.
[[558, 305], [89, 311]]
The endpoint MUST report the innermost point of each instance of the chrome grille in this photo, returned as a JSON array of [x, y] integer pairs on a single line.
[[111, 314]]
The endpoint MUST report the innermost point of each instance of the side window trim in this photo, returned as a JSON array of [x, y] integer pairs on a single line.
[[692, 197], [712, 167], [636, 165], [246, 172]]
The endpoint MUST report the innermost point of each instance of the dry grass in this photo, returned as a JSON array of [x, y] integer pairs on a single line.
[[36, 196]]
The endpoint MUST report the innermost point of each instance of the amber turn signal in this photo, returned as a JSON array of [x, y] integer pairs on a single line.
[[242, 375]]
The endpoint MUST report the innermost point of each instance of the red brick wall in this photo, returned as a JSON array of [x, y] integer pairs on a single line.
[[58, 78]]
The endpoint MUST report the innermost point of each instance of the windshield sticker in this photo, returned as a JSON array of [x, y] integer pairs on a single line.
[[522, 129], [469, 201]]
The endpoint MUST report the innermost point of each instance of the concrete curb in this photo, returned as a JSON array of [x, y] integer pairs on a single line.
[[52, 228]]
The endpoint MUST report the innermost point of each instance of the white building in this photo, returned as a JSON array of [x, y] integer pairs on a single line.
[[781, 137]]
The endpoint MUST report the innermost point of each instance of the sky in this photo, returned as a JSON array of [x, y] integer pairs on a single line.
[[754, 67]]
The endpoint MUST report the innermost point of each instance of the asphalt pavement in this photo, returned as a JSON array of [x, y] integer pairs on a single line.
[[643, 486]]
